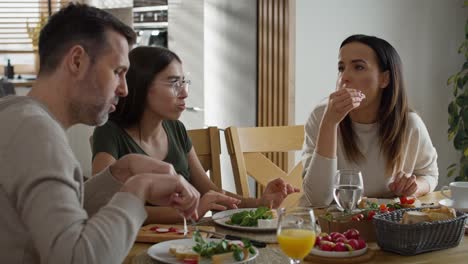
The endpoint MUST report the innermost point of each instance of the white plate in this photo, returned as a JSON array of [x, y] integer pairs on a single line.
[[221, 218], [161, 253], [449, 203], [337, 254]]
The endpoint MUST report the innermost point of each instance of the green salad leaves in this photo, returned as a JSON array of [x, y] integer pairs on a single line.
[[250, 217], [209, 248]]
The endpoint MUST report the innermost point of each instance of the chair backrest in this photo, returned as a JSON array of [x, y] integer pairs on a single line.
[[247, 145], [207, 145]]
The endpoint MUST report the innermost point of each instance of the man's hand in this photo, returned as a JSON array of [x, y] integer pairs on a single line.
[[403, 184], [165, 190], [133, 164], [275, 192]]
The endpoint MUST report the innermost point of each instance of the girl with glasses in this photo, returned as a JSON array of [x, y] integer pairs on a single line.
[[146, 122]]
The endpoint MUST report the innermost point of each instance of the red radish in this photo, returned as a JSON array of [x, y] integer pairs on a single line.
[[336, 235], [342, 239], [317, 240], [351, 234], [340, 246], [354, 244], [326, 245], [162, 230], [362, 243], [325, 237]]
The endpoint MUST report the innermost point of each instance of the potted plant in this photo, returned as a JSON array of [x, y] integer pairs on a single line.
[[458, 113]]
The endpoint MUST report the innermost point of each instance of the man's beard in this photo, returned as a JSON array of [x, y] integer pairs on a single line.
[[90, 108]]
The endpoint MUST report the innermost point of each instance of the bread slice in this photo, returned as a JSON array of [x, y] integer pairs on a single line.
[[429, 215], [182, 252], [439, 214], [414, 217], [227, 257]]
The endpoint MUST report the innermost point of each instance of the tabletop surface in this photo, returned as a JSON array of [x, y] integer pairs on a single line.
[[272, 254]]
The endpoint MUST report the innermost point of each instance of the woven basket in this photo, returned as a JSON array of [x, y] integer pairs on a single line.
[[412, 239]]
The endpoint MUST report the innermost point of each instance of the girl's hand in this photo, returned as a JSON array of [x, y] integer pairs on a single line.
[[340, 103], [213, 200]]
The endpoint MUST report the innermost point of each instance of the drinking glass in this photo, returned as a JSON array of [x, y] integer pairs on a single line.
[[348, 189], [296, 232]]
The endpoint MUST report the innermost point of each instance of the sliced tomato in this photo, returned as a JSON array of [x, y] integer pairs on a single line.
[[190, 261], [411, 201]]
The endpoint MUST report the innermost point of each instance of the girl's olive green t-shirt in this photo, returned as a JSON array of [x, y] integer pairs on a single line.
[[114, 140]]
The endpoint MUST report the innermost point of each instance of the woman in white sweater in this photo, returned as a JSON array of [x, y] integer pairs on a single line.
[[366, 124]]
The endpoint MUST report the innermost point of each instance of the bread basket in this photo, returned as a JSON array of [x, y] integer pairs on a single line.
[[412, 239]]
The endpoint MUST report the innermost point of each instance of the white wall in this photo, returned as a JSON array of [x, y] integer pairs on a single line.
[[230, 69], [426, 33], [185, 37]]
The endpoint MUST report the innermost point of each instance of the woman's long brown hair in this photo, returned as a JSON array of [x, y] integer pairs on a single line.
[[393, 110]]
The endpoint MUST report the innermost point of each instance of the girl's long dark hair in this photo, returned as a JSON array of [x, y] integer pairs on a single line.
[[393, 110]]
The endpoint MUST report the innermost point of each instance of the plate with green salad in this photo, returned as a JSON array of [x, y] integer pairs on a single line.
[[248, 219], [203, 251]]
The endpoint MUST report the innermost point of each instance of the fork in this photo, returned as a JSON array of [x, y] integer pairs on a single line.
[[194, 224], [185, 227]]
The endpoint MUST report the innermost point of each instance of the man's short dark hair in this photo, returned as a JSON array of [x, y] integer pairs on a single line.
[[78, 24]]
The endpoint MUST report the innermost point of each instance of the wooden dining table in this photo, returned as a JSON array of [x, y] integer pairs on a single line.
[[457, 254]]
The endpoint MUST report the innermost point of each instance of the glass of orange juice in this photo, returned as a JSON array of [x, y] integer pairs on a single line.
[[296, 232]]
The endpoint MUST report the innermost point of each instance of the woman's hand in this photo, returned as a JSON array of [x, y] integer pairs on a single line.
[[403, 184], [213, 200], [340, 103], [275, 192]]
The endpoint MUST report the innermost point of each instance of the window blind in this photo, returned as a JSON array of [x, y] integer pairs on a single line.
[[18, 17]]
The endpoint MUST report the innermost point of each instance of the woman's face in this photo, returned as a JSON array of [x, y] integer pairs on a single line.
[[165, 99], [358, 68]]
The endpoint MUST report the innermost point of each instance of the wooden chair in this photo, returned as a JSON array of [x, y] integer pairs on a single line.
[[207, 145], [246, 147]]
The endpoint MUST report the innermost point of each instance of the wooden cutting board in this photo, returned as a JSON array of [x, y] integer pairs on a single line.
[[146, 235]]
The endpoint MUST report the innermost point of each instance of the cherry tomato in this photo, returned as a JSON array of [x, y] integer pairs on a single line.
[[403, 200], [371, 215], [383, 207]]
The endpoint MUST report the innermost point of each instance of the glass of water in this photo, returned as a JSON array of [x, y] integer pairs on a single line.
[[348, 189]]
